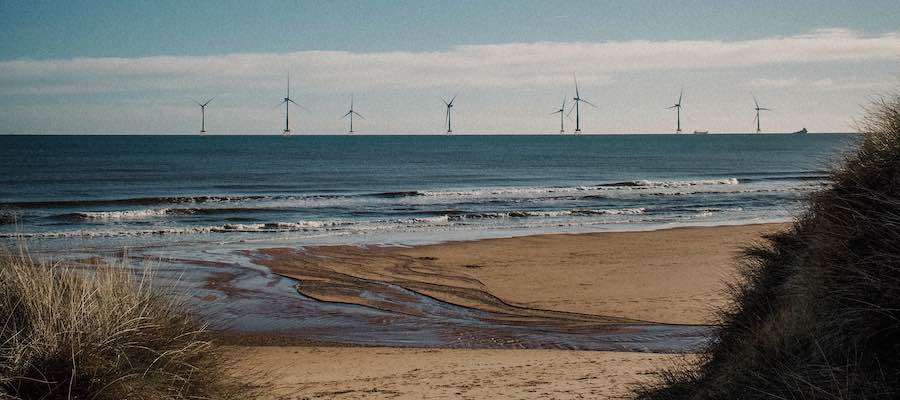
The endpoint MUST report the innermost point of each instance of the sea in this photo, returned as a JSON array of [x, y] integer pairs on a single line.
[[106, 192], [195, 212]]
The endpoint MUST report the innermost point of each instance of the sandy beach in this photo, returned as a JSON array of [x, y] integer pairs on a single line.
[[671, 276]]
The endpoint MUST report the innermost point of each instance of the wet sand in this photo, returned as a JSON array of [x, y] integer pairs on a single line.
[[669, 276], [672, 276]]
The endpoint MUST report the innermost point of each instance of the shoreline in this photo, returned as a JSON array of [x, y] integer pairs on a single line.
[[50, 244], [675, 275], [463, 272]]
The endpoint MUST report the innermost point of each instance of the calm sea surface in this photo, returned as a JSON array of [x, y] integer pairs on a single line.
[[109, 191]]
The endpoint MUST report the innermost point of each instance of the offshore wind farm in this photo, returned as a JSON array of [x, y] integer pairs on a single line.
[[563, 114], [448, 104]]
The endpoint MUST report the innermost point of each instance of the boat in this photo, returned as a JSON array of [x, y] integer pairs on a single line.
[[802, 131], [700, 132]]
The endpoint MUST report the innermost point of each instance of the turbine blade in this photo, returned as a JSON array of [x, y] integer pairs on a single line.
[[445, 101], [451, 99], [298, 105], [571, 109], [208, 101], [279, 104], [680, 96], [592, 104], [345, 115], [755, 102], [358, 115], [576, 85], [669, 108], [765, 109]]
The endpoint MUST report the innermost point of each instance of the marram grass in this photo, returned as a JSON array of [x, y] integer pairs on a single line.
[[102, 333], [817, 313]]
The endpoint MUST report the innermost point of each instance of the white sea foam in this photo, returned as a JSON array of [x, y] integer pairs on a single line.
[[279, 226], [541, 191], [667, 184], [345, 226], [123, 215], [432, 220], [104, 233], [624, 211]]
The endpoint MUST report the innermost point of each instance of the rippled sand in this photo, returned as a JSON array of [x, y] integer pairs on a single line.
[[671, 276]]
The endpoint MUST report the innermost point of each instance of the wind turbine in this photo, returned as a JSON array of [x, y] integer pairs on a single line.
[[449, 106], [576, 107], [203, 114], [561, 111], [758, 109], [677, 108], [351, 113], [287, 112]]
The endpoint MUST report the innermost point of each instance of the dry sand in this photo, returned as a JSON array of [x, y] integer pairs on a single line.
[[393, 373], [673, 276]]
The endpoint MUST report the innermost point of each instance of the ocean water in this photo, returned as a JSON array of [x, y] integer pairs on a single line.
[[198, 209], [111, 191]]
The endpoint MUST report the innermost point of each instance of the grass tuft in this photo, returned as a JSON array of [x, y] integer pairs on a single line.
[[101, 333], [816, 314]]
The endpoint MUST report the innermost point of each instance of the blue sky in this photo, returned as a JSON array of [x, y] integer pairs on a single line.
[[53, 29], [157, 56]]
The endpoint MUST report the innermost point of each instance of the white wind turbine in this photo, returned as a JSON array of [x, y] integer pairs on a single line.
[[351, 113]]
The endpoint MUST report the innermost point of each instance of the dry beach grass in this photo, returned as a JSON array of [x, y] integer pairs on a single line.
[[101, 333], [817, 313]]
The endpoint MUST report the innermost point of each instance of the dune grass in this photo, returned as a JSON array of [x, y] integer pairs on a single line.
[[101, 333], [816, 314]]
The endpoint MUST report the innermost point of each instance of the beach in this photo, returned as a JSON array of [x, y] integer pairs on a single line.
[[672, 276]]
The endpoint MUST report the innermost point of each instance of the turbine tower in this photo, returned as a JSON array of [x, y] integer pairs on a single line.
[[203, 114], [561, 111], [287, 112], [449, 106], [758, 109], [578, 100], [677, 108], [351, 113]]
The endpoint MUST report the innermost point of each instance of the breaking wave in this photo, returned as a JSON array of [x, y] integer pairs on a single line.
[[668, 184], [158, 212], [306, 226], [138, 201]]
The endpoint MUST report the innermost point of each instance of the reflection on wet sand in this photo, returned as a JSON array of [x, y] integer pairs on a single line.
[[333, 295]]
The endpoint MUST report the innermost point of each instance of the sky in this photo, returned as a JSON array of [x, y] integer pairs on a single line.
[[137, 67]]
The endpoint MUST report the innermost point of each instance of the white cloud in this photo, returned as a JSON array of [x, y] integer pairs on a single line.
[[764, 83], [515, 67], [542, 64]]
